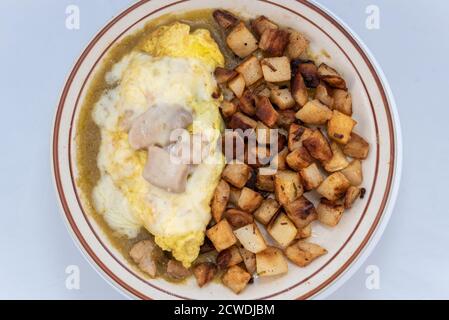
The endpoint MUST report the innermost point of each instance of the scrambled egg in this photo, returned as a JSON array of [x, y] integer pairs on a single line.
[[171, 66]]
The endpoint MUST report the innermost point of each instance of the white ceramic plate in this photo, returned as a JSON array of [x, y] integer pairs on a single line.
[[360, 228]]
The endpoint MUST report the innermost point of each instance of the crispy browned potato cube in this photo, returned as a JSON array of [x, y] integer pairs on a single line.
[[354, 172], [241, 41], [301, 211], [296, 135], [287, 186], [334, 187], [342, 101], [351, 196], [265, 111], [357, 147], [249, 200], [229, 257], [331, 77], [237, 174], [311, 177], [329, 212], [238, 218], [286, 118], [274, 42], [324, 94], [225, 19], [282, 98], [303, 253], [276, 69], [267, 211], [221, 235], [234, 196], [282, 229], [318, 146], [299, 89], [246, 103], [279, 160], [340, 126], [204, 273], [220, 200], [237, 85], [271, 262], [305, 232], [236, 279], [251, 70], [299, 159], [338, 160], [249, 259], [228, 108], [251, 238], [314, 112], [241, 121], [297, 45], [261, 24], [223, 75], [264, 134], [265, 182], [309, 72]]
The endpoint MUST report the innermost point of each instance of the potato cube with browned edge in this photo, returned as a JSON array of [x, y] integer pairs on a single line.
[[204, 272], [265, 182], [354, 173], [357, 147], [331, 77], [241, 41], [251, 70], [234, 196], [249, 200], [296, 135], [282, 98], [265, 111], [246, 103], [251, 238], [237, 174], [220, 200], [249, 259], [309, 72], [342, 101], [287, 186], [314, 112], [278, 161], [352, 194], [301, 212], [236, 279], [238, 218], [223, 75], [329, 212], [299, 89], [276, 69], [340, 126], [297, 45], [311, 177], [261, 24], [237, 85], [282, 230], [286, 118], [303, 253], [229, 257], [221, 235], [299, 159], [338, 160], [334, 187], [228, 108], [305, 232], [241, 121], [271, 262], [225, 19], [323, 93], [318, 146], [267, 211], [273, 42]]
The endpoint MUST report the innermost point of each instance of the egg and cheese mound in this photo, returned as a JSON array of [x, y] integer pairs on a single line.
[[171, 66]]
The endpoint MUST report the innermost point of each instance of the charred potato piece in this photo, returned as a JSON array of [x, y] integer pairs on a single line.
[[299, 159], [236, 279], [305, 232], [241, 121], [357, 147], [223, 75], [267, 211], [261, 24], [249, 200], [229, 257], [221, 235], [204, 273], [338, 160], [340, 126], [251, 238], [241, 41], [228, 108], [351, 196], [237, 85], [318, 146], [249, 259], [301, 212], [299, 89], [286, 118], [297, 45], [251, 70], [276, 69], [282, 230], [287, 186], [331, 77], [246, 103], [311, 177], [265, 111], [238, 218], [334, 187], [309, 72], [353, 172], [265, 182], [303, 253], [237, 174], [296, 135], [314, 112], [274, 42], [220, 200], [323, 93], [225, 19], [329, 212], [271, 262], [282, 98], [342, 101]]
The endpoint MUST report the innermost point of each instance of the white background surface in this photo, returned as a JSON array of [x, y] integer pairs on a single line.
[[36, 54]]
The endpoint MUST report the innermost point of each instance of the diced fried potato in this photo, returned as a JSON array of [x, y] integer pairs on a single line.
[[271, 262], [286, 118], [237, 85], [265, 111], [237, 174], [352, 194], [282, 230], [258, 156], [228, 108], [221, 235], [331, 77], [303, 253], [309, 72], [223, 75], [264, 134], [324, 94], [251, 238], [282, 98], [276, 69], [329, 212], [274, 42], [241, 121], [234, 196], [238, 218], [267, 211], [342, 101], [265, 182], [220, 200], [299, 159], [340, 126], [305, 232], [357, 147], [318, 146], [297, 45], [236, 279], [241, 41], [204, 273], [261, 24], [287, 186], [301, 211], [229, 257], [249, 200], [251, 70], [338, 161], [314, 112], [299, 89], [225, 19], [311, 177], [334, 187], [296, 135], [246, 103], [279, 160], [354, 172], [249, 259]]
